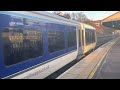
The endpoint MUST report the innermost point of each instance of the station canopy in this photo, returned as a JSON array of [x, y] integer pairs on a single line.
[[112, 21]]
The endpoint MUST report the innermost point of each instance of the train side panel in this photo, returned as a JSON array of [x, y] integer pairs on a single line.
[[89, 38], [79, 42], [89, 47], [36, 45], [23, 36], [48, 68]]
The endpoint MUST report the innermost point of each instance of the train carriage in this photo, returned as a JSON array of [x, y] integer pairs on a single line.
[[36, 44], [89, 38]]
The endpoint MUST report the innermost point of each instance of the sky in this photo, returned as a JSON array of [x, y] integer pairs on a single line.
[[96, 15]]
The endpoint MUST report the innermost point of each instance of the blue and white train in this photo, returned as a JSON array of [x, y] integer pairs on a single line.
[[35, 44]]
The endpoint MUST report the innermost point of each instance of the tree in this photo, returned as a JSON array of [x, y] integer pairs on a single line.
[[73, 16], [80, 16], [62, 14], [56, 12], [67, 15]]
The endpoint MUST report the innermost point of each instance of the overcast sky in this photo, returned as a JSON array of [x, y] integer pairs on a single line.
[[96, 15]]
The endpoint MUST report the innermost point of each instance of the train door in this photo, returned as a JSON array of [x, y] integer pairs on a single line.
[[79, 42]]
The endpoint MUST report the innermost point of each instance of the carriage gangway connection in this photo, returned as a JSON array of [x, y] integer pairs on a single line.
[[93, 65]]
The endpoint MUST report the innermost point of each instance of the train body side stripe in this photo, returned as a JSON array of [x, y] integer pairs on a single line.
[[33, 67]]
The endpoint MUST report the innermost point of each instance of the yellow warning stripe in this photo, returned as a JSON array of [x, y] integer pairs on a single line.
[[95, 69]]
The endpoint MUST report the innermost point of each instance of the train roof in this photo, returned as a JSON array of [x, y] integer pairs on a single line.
[[58, 17], [53, 16], [42, 16], [45, 17]]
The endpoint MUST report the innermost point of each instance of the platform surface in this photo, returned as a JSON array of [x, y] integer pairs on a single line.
[[86, 68], [110, 67]]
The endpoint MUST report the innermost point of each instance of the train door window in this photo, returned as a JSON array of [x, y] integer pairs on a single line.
[[86, 36], [20, 45], [79, 38], [72, 38], [82, 37], [56, 41]]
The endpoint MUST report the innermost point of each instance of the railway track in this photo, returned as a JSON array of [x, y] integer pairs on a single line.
[[100, 42]]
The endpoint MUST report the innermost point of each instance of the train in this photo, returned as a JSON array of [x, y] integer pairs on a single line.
[[35, 44]]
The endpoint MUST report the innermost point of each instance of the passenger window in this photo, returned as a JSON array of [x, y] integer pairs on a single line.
[[91, 33], [93, 36], [56, 41], [71, 38], [20, 45], [86, 36], [90, 36]]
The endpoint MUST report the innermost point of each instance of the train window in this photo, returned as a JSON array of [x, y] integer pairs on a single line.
[[20, 45], [91, 32], [87, 36], [90, 36], [71, 38], [79, 38], [93, 36], [56, 41], [82, 37]]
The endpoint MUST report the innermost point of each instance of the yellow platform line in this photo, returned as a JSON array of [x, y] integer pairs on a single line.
[[95, 69]]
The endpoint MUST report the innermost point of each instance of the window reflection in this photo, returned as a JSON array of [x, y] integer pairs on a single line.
[[90, 36], [72, 38], [20, 45], [55, 41]]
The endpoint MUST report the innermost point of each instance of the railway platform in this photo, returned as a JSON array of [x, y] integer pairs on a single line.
[[98, 64], [110, 67]]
